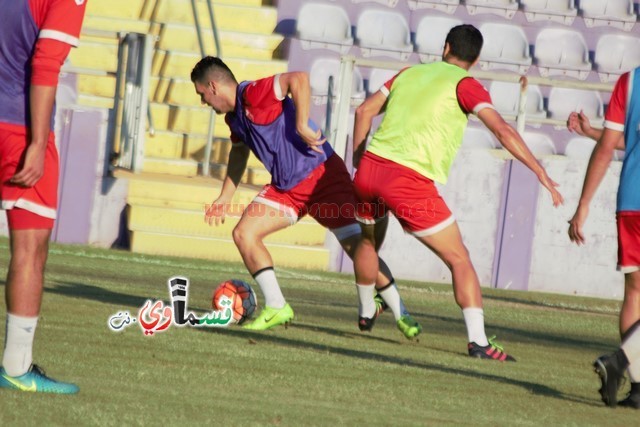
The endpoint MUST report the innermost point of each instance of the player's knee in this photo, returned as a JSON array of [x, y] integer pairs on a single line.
[[632, 282], [243, 237]]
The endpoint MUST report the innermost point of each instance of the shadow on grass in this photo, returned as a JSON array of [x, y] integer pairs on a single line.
[[535, 388], [95, 293]]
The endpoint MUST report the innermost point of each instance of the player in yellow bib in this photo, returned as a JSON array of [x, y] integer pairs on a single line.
[[425, 114]]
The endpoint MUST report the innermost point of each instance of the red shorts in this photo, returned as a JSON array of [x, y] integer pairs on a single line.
[[382, 186], [326, 194], [628, 223], [42, 198]]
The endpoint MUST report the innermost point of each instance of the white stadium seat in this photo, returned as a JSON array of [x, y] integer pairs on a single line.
[[431, 34], [540, 144], [505, 47], [384, 33], [447, 6], [562, 11], [504, 8], [321, 70], [324, 26], [564, 101], [562, 52], [378, 77], [478, 139], [579, 147], [616, 54], [506, 99], [388, 3], [613, 13]]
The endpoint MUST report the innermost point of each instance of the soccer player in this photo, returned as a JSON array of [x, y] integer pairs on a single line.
[[35, 39], [622, 122], [425, 113], [307, 177]]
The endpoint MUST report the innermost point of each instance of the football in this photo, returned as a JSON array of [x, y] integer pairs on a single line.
[[242, 296]]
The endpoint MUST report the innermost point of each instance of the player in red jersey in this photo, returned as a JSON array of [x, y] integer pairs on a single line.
[[426, 109], [621, 126], [35, 39]]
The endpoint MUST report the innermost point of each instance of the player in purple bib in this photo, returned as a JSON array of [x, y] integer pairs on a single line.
[[307, 177]]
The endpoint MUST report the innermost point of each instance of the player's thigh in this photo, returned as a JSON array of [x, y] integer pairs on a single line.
[[259, 220], [447, 244]]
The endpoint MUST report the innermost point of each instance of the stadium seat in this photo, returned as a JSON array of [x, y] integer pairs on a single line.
[[321, 70], [564, 101], [613, 13], [562, 52], [616, 54], [506, 98], [384, 33], [540, 144], [579, 147], [388, 3], [478, 139], [447, 6], [561, 11], [378, 77], [504, 8], [431, 34], [505, 47], [324, 26]]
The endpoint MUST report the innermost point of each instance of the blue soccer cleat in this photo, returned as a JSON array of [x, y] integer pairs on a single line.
[[36, 381]]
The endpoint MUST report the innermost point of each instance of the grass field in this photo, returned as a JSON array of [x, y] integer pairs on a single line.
[[320, 371]]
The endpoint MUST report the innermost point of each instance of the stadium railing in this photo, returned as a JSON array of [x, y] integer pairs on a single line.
[[340, 126], [206, 162]]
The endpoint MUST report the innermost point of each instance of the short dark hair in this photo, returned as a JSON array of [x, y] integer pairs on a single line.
[[465, 42], [211, 68]]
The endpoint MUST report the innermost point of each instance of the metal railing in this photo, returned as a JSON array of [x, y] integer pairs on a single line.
[[131, 100], [206, 162], [340, 130]]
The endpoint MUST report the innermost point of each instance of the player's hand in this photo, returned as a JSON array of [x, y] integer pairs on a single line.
[[216, 212], [551, 185], [576, 223], [357, 155], [579, 123], [32, 168], [311, 137]]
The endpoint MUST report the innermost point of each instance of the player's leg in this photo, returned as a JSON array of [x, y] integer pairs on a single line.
[[631, 348], [630, 310], [447, 244], [29, 236], [258, 221]]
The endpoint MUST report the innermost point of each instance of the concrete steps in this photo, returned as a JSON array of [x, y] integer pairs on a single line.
[[166, 217]]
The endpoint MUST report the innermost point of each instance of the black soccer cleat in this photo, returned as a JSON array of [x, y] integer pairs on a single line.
[[381, 305], [493, 351], [633, 398], [365, 324], [610, 368]]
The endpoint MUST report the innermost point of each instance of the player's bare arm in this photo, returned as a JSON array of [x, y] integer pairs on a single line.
[[579, 123], [238, 156], [365, 113], [41, 103], [598, 165], [297, 84], [512, 142]]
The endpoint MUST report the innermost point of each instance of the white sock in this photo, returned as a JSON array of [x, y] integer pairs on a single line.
[[273, 297], [474, 319], [631, 348], [18, 345], [367, 306], [391, 296]]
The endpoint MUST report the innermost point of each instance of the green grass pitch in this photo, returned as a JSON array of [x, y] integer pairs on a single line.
[[321, 370]]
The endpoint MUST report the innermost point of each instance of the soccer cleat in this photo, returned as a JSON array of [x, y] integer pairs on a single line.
[[493, 351], [631, 401], [408, 326], [611, 374], [270, 317], [381, 306], [365, 324], [36, 381]]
